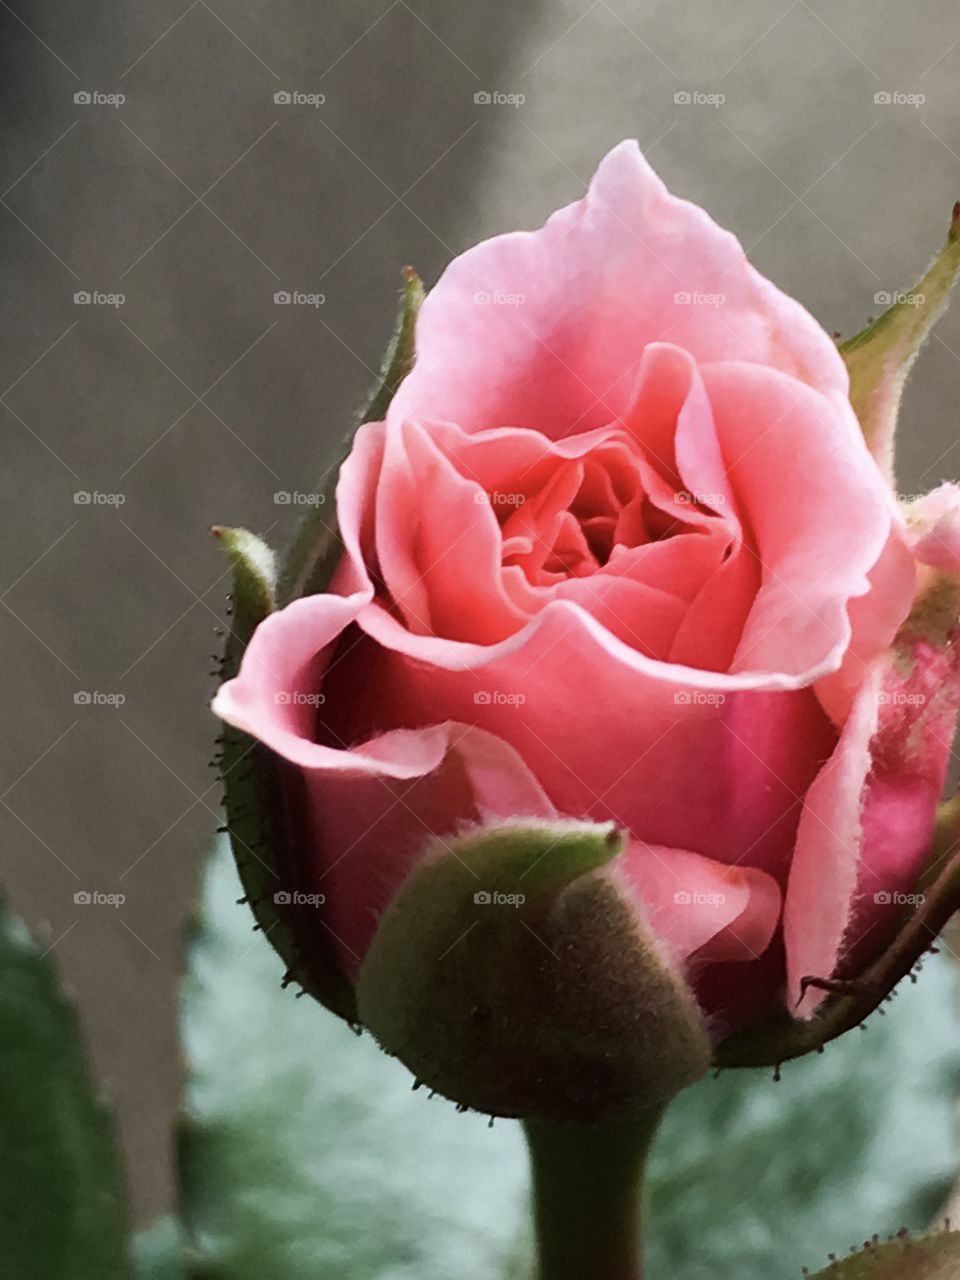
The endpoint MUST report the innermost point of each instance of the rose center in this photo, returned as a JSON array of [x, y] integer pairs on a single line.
[[571, 526]]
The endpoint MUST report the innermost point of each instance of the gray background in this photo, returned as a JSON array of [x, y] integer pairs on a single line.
[[198, 399]]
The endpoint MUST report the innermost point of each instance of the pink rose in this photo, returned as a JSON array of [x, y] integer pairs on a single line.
[[619, 552]]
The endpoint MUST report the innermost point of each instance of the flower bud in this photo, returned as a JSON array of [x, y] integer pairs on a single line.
[[512, 973]]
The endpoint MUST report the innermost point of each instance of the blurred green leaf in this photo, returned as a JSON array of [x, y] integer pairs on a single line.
[[158, 1251], [305, 1155], [755, 1179], [304, 1152], [62, 1212]]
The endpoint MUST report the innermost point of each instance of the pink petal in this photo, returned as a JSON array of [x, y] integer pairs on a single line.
[[701, 908], [370, 809], [875, 619], [680, 758], [934, 526], [439, 544], [356, 485], [823, 875], [820, 513], [868, 819], [274, 696], [546, 329]]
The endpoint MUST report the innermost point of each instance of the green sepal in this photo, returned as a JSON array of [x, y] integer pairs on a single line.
[[879, 358], [931, 1258], [260, 791], [512, 974], [311, 560]]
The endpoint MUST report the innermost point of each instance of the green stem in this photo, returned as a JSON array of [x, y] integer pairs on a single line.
[[588, 1196]]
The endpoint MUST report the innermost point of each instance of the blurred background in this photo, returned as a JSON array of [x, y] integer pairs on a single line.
[[168, 170]]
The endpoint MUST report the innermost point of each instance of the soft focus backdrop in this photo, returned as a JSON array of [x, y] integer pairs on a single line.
[[827, 138]]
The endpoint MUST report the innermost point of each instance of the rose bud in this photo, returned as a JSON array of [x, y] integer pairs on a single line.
[[607, 731]]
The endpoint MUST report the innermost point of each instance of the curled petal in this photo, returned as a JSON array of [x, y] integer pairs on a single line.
[[499, 343], [700, 908]]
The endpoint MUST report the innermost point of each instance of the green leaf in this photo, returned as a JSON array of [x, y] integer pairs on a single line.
[[935, 1258], [306, 1156], [62, 1209], [879, 358], [510, 974]]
